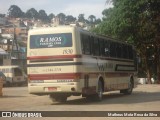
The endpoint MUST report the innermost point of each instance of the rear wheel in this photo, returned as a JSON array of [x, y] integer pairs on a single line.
[[99, 95], [129, 90]]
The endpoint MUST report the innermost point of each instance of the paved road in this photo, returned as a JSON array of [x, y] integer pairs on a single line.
[[144, 98]]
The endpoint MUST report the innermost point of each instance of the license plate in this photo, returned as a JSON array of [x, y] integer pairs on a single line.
[[52, 88]]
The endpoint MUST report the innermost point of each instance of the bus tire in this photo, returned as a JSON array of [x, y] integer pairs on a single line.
[[99, 95], [129, 90]]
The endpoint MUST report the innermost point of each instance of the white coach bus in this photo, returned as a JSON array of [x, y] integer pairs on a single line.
[[65, 61]]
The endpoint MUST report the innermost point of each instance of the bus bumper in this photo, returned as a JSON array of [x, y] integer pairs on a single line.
[[41, 89]]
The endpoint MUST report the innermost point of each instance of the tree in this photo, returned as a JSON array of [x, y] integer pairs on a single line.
[[15, 11], [92, 19], [43, 16], [136, 22], [61, 17], [2, 15], [51, 16], [98, 21], [32, 13], [70, 19], [81, 18]]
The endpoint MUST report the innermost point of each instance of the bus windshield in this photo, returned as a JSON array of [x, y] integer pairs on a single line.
[[51, 40]]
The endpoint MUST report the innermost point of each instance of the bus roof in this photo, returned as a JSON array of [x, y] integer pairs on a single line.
[[50, 29], [66, 28]]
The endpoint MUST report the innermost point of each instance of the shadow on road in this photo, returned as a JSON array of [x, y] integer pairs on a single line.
[[117, 98], [9, 96]]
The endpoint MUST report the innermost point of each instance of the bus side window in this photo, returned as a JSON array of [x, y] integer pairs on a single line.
[[125, 51], [96, 46], [107, 48], [113, 49], [119, 50], [85, 43], [130, 52], [102, 47]]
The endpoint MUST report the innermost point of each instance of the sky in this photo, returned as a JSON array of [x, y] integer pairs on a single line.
[[68, 7]]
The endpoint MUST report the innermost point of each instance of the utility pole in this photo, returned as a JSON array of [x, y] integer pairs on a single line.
[[15, 41]]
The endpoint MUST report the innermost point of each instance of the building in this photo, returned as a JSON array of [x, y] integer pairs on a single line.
[[3, 20], [10, 35]]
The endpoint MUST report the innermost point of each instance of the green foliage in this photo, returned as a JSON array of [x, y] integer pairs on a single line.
[[61, 17], [81, 18], [130, 20], [32, 13], [92, 19], [51, 16], [98, 21], [2, 15], [70, 18], [43, 16], [136, 22], [15, 11]]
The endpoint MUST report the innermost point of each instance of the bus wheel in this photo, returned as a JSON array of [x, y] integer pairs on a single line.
[[129, 90], [99, 95]]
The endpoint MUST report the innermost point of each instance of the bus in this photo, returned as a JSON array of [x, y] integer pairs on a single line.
[[67, 60], [14, 75]]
